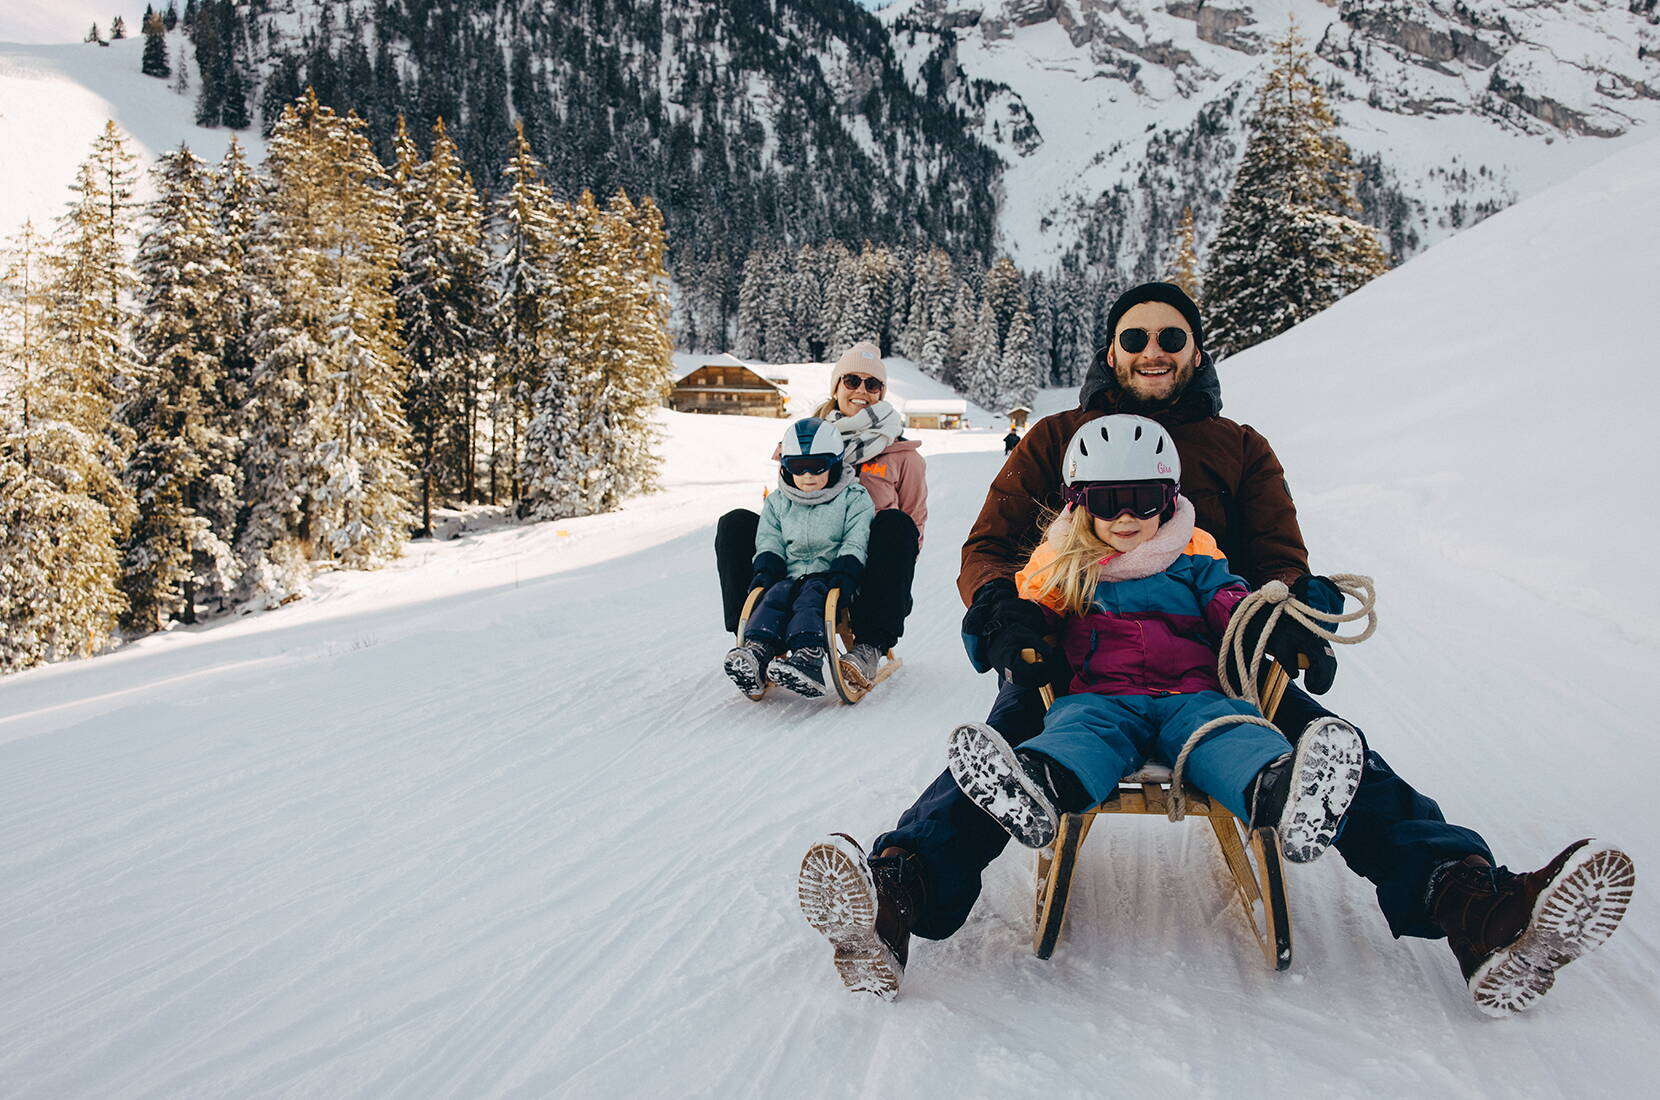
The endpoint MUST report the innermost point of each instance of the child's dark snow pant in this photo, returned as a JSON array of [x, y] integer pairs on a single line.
[[790, 614], [1392, 835], [884, 596]]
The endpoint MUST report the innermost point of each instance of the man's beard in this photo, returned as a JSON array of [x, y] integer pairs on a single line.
[[1129, 401]]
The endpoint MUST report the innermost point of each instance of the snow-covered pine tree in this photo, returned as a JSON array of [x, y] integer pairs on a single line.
[[753, 291], [155, 63], [237, 199], [836, 276], [964, 317], [1184, 272], [534, 418], [1005, 292], [118, 29], [186, 450], [1017, 371], [645, 367], [783, 327], [58, 557], [866, 310], [1288, 244], [440, 295], [982, 364], [325, 467], [90, 314]]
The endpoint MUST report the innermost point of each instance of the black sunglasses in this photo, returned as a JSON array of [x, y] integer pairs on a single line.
[[809, 464], [873, 384], [1109, 500], [1133, 340]]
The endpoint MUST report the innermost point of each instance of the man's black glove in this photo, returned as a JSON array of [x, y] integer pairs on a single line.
[[1006, 625], [769, 570], [1292, 643]]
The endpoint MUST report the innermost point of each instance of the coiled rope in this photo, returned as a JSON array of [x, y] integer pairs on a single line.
[[1235, 666]]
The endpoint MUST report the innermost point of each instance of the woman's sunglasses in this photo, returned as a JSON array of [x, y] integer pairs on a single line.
[[1109, 500], [1133, 340], [854, 381], [809, 464]]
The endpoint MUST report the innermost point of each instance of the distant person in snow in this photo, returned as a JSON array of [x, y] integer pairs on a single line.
[[1509, 932], [894, 474], [1140, 599], [1010, 441], [812, 537]]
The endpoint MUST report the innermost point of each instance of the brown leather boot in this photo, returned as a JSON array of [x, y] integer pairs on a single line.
[[1511, 932], [865, 908]]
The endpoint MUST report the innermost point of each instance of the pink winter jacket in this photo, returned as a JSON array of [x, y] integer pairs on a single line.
[[898, 478]]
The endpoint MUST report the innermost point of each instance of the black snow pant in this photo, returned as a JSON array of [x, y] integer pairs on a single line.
[[884, 596], [1393, 836]]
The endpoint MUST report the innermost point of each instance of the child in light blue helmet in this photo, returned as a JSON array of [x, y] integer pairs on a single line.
[[812, 537]]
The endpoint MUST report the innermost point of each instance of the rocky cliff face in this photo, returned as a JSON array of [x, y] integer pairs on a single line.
[[1114, 114]]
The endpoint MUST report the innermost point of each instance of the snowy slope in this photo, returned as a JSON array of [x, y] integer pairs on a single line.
[[492, 823], [58, 92]]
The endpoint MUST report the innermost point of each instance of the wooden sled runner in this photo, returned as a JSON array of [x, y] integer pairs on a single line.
[[1252, 856], [838, 634]]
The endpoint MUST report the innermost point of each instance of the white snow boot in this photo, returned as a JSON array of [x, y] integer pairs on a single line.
[[996, 780], [1306, 793]]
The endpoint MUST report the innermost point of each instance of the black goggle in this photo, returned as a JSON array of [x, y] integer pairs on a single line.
[[871, 383], [810, 464], [1134, 340], [1109, 500]]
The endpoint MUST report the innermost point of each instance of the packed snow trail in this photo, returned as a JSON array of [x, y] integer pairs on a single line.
[[492, 822], [530, 841]]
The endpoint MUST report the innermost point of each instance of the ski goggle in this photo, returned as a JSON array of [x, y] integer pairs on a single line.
[[810, 464], [1111, 499], [871, 383], [1134, 340]]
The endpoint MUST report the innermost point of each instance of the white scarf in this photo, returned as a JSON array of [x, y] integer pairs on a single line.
[[869, 432]]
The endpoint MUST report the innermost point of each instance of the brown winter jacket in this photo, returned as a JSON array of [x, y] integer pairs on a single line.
[[1229, 472]]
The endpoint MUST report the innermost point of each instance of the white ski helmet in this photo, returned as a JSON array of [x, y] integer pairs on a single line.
[[1121, 447]]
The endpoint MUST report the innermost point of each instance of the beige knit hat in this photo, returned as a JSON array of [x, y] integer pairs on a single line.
[[862, 358]]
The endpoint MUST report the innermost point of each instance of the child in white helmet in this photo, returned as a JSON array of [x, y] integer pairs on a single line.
[[812, 537], [1140, 598]]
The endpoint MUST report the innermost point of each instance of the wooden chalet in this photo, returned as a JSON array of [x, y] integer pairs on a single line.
[[726, 385], [946, 413]]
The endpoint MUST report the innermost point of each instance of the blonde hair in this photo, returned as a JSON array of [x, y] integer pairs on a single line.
[[1073, 568], [829, 406]]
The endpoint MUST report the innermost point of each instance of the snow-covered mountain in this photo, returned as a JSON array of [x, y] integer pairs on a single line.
[[1113, 114], [491, 822]]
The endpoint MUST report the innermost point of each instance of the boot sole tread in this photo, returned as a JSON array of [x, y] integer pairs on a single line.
[[790, 678], [1575, 913], [988, 773], [1326, 773], [838, 898]]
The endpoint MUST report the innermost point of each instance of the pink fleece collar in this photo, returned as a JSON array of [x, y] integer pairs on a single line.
[[1156, 554]]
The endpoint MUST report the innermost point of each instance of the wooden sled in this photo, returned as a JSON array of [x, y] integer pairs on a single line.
[[838, 633], [1252, 855]]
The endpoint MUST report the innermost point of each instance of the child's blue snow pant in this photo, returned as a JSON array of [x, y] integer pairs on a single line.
[[1392, 835], [1102, 738], [790, 614]]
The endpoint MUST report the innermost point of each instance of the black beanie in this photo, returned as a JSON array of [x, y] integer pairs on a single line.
[[1168, 293]]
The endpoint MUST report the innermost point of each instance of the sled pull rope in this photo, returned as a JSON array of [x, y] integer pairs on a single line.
[[1273, 599]]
